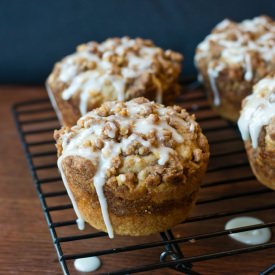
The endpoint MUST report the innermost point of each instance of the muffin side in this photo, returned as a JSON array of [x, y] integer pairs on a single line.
[[262, 158], [257, 126]]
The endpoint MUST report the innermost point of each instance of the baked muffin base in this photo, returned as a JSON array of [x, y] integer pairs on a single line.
[[227, 110], [67, 112], [231, 90], [137, 215], [137, 225], [140, 222], [261, 164]]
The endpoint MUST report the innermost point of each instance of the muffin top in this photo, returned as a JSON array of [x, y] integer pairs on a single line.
[[114, 66], [258, 110], [136, 144], [249, 45]]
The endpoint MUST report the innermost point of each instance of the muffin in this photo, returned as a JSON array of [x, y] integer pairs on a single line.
[[133, 168], [116, 69], [233, 58], [257, 126]]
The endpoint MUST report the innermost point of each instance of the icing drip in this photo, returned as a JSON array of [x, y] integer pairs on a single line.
[[91, 83], [109, 151], [119, 84], [200, 78], [213, 73], [257, 111], [74, 145], [248, 72], [159, 90]]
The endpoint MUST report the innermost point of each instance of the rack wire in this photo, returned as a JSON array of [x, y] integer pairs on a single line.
[[229, 190]]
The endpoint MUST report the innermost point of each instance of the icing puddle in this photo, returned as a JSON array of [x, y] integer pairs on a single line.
[[88, 264], [251, 237]]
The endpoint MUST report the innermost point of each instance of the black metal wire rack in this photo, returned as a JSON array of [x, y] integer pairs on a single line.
[[199, 244]]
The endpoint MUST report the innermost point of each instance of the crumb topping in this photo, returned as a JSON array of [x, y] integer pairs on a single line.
[[248, 46], [113, 66], [125, 133], [233, 43]]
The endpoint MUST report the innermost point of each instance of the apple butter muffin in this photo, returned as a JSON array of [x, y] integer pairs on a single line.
[[133, 168], [257, 126], [233, 58], [116, 69]]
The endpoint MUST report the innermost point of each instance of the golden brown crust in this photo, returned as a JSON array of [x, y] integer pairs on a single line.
[[262, 158], [160, 74], [146, 212], [143, 196], [139, 225]]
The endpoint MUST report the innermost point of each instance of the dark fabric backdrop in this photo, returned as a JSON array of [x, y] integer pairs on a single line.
[[34, 34]]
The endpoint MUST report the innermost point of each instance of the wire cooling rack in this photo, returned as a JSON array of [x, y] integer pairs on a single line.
[[199, 244]]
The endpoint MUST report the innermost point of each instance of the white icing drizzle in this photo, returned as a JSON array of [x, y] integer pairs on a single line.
[[236, 44], [88, 264], [164, 153], [213, 73], [69, 68], [100, 80], [251, 237], [200, 78], [258, 109], [73, 145], [109, 151], [192, 127], [145, 125], [134, 137], [159, 90], [91, 83], [248, 71], [137, 108]]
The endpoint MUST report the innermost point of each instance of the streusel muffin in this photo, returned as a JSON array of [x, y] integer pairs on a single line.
[[116, 69], [233, 58], [257, 126], [133, 168]]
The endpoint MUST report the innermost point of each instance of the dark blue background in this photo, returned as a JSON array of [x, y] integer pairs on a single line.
[[35, 34]]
